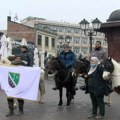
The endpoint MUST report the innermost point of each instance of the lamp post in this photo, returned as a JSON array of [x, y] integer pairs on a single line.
[[68, 39], [84, 24], [63, 40]]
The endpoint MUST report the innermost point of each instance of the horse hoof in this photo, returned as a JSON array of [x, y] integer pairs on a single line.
[[40, 101], [72, 101], [59, 104], [68, 106]]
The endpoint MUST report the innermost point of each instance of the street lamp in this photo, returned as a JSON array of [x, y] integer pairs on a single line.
[[84, 24], [61, 40], [68, 39]]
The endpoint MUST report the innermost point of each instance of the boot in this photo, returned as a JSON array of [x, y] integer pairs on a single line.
[[10, 106], [20, 104]]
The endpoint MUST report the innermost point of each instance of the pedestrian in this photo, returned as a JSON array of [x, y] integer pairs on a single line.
[[99, 52], [17, 62], [27, 55], [67, 58], [96, 87]]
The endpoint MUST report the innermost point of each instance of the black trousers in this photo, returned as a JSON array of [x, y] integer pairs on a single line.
[[97, 102]]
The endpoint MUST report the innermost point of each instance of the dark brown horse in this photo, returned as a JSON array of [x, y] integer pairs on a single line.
[[63, 78], [81, 67]]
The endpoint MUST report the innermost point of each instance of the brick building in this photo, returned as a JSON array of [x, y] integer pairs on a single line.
[[111, 28], [43, 39], [19, 31]]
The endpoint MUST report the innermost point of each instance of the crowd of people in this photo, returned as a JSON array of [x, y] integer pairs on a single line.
[[95, 85]]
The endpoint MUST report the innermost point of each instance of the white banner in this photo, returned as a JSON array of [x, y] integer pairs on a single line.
[[20, 81]]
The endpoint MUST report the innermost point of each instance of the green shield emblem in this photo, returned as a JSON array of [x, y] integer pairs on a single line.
[[13, 79]]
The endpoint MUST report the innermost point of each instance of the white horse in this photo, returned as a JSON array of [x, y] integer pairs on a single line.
[[42, 86], [113, 68]]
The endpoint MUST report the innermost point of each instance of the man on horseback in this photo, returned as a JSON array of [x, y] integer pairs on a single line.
[[68, 59]]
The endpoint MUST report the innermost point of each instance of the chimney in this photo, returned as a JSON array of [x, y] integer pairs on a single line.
[[9, 18]]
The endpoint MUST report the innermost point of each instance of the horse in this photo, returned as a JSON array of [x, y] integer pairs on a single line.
[[42, 86], [111, 67], [63, 78], [81, 67]]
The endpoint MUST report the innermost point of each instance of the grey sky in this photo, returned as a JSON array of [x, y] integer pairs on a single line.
[[72, 11]]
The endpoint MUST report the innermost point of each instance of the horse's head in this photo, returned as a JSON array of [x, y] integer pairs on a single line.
[[81, 66], [108, 68], [53, 64]]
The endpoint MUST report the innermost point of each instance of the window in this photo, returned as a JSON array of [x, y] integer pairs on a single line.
[[39, 41], [68, 30], [76, 49], [46, 42], [84, 50], [93, 41], [53, 42], [77, 30], [104, 43], [84, 40], [76, 40], [61, 29]]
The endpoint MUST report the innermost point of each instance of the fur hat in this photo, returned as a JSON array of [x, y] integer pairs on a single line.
[[11, 58]]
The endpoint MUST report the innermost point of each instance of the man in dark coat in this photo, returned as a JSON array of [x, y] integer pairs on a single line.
[[27, 56], [68, 59]]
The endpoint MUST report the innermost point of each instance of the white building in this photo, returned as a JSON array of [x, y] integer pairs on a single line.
[[79, 42]]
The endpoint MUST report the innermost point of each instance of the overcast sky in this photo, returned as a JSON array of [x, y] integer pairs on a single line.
[[72, 11]]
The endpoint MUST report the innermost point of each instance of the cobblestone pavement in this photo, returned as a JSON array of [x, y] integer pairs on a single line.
[[50, 111]]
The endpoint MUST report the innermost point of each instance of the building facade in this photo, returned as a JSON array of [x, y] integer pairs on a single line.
[[43, 39], [79, 42]]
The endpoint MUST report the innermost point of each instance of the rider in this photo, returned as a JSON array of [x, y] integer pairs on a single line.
[[67, 58]]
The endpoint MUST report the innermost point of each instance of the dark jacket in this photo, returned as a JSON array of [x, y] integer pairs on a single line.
[[68, 59], [96, 84], [28, 57]]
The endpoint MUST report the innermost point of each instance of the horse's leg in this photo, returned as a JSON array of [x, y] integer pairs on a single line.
[[68, 96], [109, 99], [60, 95], [42, 90]]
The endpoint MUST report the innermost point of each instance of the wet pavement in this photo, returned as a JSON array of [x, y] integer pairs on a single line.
[[50, 111]]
